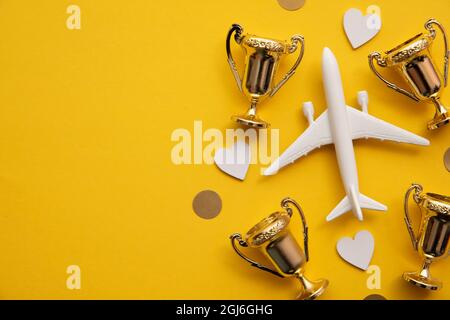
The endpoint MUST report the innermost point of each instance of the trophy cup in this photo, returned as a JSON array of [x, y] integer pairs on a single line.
[[262, 57], [413, 60], [273, 238], [432, 240]]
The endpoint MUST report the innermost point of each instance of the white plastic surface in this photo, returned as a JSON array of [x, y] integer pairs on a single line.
[[308, 111], [363, 101]]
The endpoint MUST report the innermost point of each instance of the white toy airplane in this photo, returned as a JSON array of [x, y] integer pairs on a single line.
[[340, 125]]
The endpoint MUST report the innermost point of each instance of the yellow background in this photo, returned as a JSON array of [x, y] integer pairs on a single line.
[[86, 176]]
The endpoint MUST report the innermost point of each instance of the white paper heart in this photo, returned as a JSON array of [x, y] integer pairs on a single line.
[[358, 251], [234, 161], [361, 29]]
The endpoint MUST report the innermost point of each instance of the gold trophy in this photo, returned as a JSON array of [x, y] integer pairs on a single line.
[[274, 239], [261, 63], [413, 60], [432, 241]]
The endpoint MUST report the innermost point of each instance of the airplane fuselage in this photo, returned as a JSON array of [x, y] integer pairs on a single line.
[[343, 144], [340, 129]]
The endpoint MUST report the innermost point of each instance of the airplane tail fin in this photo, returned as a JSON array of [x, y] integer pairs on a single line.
[[355, 202]]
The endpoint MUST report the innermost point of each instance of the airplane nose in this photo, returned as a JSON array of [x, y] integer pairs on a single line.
[[326, 50], [328, 56]]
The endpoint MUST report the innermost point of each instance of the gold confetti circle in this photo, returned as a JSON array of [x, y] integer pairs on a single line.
[[447, 159], [291, 5], [375, 297], [207, 204]]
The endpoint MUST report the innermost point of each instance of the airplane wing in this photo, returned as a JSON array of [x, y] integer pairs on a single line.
[[318, 134], [363, 125]]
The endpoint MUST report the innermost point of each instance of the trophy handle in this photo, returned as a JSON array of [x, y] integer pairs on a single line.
[[237, 237], [235, 28], [295, 40], [417, 188], [382, 63], [285, 204], [429, 26]]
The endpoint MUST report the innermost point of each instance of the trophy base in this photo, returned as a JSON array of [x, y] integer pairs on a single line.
[[439, 121], [422, 282], [251, 121], [313, 289]]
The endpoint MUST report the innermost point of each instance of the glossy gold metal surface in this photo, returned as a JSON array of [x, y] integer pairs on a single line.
[[273, 238], [413, 60], [262, 58], [432, 241]]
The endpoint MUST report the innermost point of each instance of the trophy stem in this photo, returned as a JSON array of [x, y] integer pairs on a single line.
[[423, 278], [441, 117], [426, 269], [250, 118], [252, 110], [310, 290]]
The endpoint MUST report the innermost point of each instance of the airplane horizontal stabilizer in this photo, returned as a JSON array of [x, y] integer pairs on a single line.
[[343, 207], [370, 204], [355, 204]]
